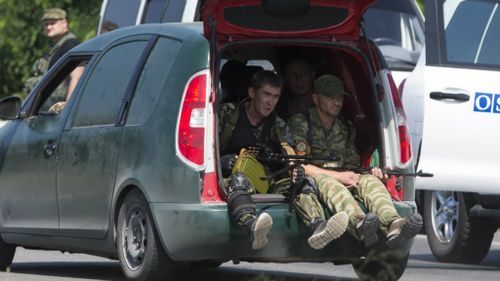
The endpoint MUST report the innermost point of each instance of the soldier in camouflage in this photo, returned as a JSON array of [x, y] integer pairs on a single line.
[[324, 133], [249, 123], [55, 27]]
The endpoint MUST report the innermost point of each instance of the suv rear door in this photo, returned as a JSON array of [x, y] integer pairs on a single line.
[[328, 20], [462, 97]]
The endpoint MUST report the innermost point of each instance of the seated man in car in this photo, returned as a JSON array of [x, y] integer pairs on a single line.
[[253, 122], [321, 132], [299, 76]]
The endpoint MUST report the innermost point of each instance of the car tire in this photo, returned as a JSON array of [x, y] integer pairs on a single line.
[[452, 235], [140, 252], [6, 254], [389, 269]]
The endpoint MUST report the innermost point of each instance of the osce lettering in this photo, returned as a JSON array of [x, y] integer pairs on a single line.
[[486, 102]]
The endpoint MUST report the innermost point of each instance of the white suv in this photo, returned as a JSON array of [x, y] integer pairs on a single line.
[[452, 101]]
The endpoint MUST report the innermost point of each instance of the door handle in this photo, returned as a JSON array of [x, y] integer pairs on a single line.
[[449, 96], [49, 148]]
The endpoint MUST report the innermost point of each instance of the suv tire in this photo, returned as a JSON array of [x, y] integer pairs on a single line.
[[6, 254], [452, 235], [139, 249], [389, 269]]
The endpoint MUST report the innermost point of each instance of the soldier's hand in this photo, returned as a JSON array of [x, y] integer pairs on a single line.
[[227, 162], [379, 174], [348, 178], [298, 174]]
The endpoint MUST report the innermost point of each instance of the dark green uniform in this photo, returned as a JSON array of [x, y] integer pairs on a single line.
[[338, 140]]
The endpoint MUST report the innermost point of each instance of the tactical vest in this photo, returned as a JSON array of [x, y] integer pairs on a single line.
[[41, 65], [332, 151], [228, 129]]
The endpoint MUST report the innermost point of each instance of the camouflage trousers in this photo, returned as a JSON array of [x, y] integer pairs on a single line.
[[370, 191]]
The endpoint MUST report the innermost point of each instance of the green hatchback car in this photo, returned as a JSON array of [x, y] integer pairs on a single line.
[[125, 164]]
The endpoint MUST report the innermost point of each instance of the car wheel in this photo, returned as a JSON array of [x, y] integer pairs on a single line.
[[6, 254], [452, 235], [141, 254], [390, 269]]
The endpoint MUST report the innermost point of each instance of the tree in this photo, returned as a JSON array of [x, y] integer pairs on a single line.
[[23, 41]]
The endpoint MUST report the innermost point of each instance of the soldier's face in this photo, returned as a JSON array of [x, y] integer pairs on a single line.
[[55, 29], [264, 99], [299, 78], [329, 106]]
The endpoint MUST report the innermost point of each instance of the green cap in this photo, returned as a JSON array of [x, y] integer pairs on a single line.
[[329, 85], [54, 14]]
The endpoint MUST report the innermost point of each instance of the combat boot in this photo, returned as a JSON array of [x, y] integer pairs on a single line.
[[259, 229], [327, 231], [403, 229], [367, 229]]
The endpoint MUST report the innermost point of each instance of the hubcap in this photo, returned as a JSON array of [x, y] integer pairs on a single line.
[[134, 240], [444, 212]]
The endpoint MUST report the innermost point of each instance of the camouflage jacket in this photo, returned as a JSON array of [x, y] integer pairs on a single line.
[[339, 140], [229, 118]]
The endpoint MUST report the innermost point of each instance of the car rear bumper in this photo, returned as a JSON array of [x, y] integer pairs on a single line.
[[191, 232]]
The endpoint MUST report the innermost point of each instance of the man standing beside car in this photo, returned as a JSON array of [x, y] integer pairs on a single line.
[[321, 131], [253, 122], [56, 28]]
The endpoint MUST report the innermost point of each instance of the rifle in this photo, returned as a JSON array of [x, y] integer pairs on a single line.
[[298, 160]]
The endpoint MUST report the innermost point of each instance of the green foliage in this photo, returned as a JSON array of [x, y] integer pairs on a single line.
[[421, 4], [22, 40]]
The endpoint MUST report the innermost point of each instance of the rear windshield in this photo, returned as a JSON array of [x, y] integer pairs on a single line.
[[254, 17]]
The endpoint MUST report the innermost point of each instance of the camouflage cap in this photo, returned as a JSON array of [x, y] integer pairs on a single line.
[[54, 14], [329, 85]]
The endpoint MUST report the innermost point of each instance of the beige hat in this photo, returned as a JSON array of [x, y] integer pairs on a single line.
[[54, 14]]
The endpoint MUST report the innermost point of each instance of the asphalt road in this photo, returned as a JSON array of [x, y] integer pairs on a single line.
[[54, 266]]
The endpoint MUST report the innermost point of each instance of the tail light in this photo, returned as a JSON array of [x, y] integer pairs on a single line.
[[395, 184], [195, 133], [401, 88], [403, 132], [192, 121]]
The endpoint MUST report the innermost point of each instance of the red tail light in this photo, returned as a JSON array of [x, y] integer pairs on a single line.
[[404, 135], [192, 121]]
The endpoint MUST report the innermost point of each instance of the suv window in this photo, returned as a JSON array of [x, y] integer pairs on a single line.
[[101, 99], [120, 13], [396, 27], [151, 83], [471, 33]]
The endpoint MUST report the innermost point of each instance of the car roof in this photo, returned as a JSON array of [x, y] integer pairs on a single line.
[[176, 30]]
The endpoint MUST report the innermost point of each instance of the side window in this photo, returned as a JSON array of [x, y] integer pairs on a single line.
[[51, 99], [154, 11], [120, 13], [102, 97], [152, 81], [174, 12], [470, 33]]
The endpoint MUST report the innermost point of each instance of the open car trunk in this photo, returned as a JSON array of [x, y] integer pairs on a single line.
[[350, 63]]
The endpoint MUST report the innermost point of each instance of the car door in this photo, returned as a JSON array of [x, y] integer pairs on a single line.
[[461, 96], [28, 154], [90, 141]]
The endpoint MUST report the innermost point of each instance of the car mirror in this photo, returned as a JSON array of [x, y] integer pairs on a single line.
[[10, 108]]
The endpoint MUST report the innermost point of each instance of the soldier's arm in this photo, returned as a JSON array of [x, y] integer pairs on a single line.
[[298, 128], [74, 77]]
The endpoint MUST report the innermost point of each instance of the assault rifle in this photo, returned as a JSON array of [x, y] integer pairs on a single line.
[[297, 160]]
